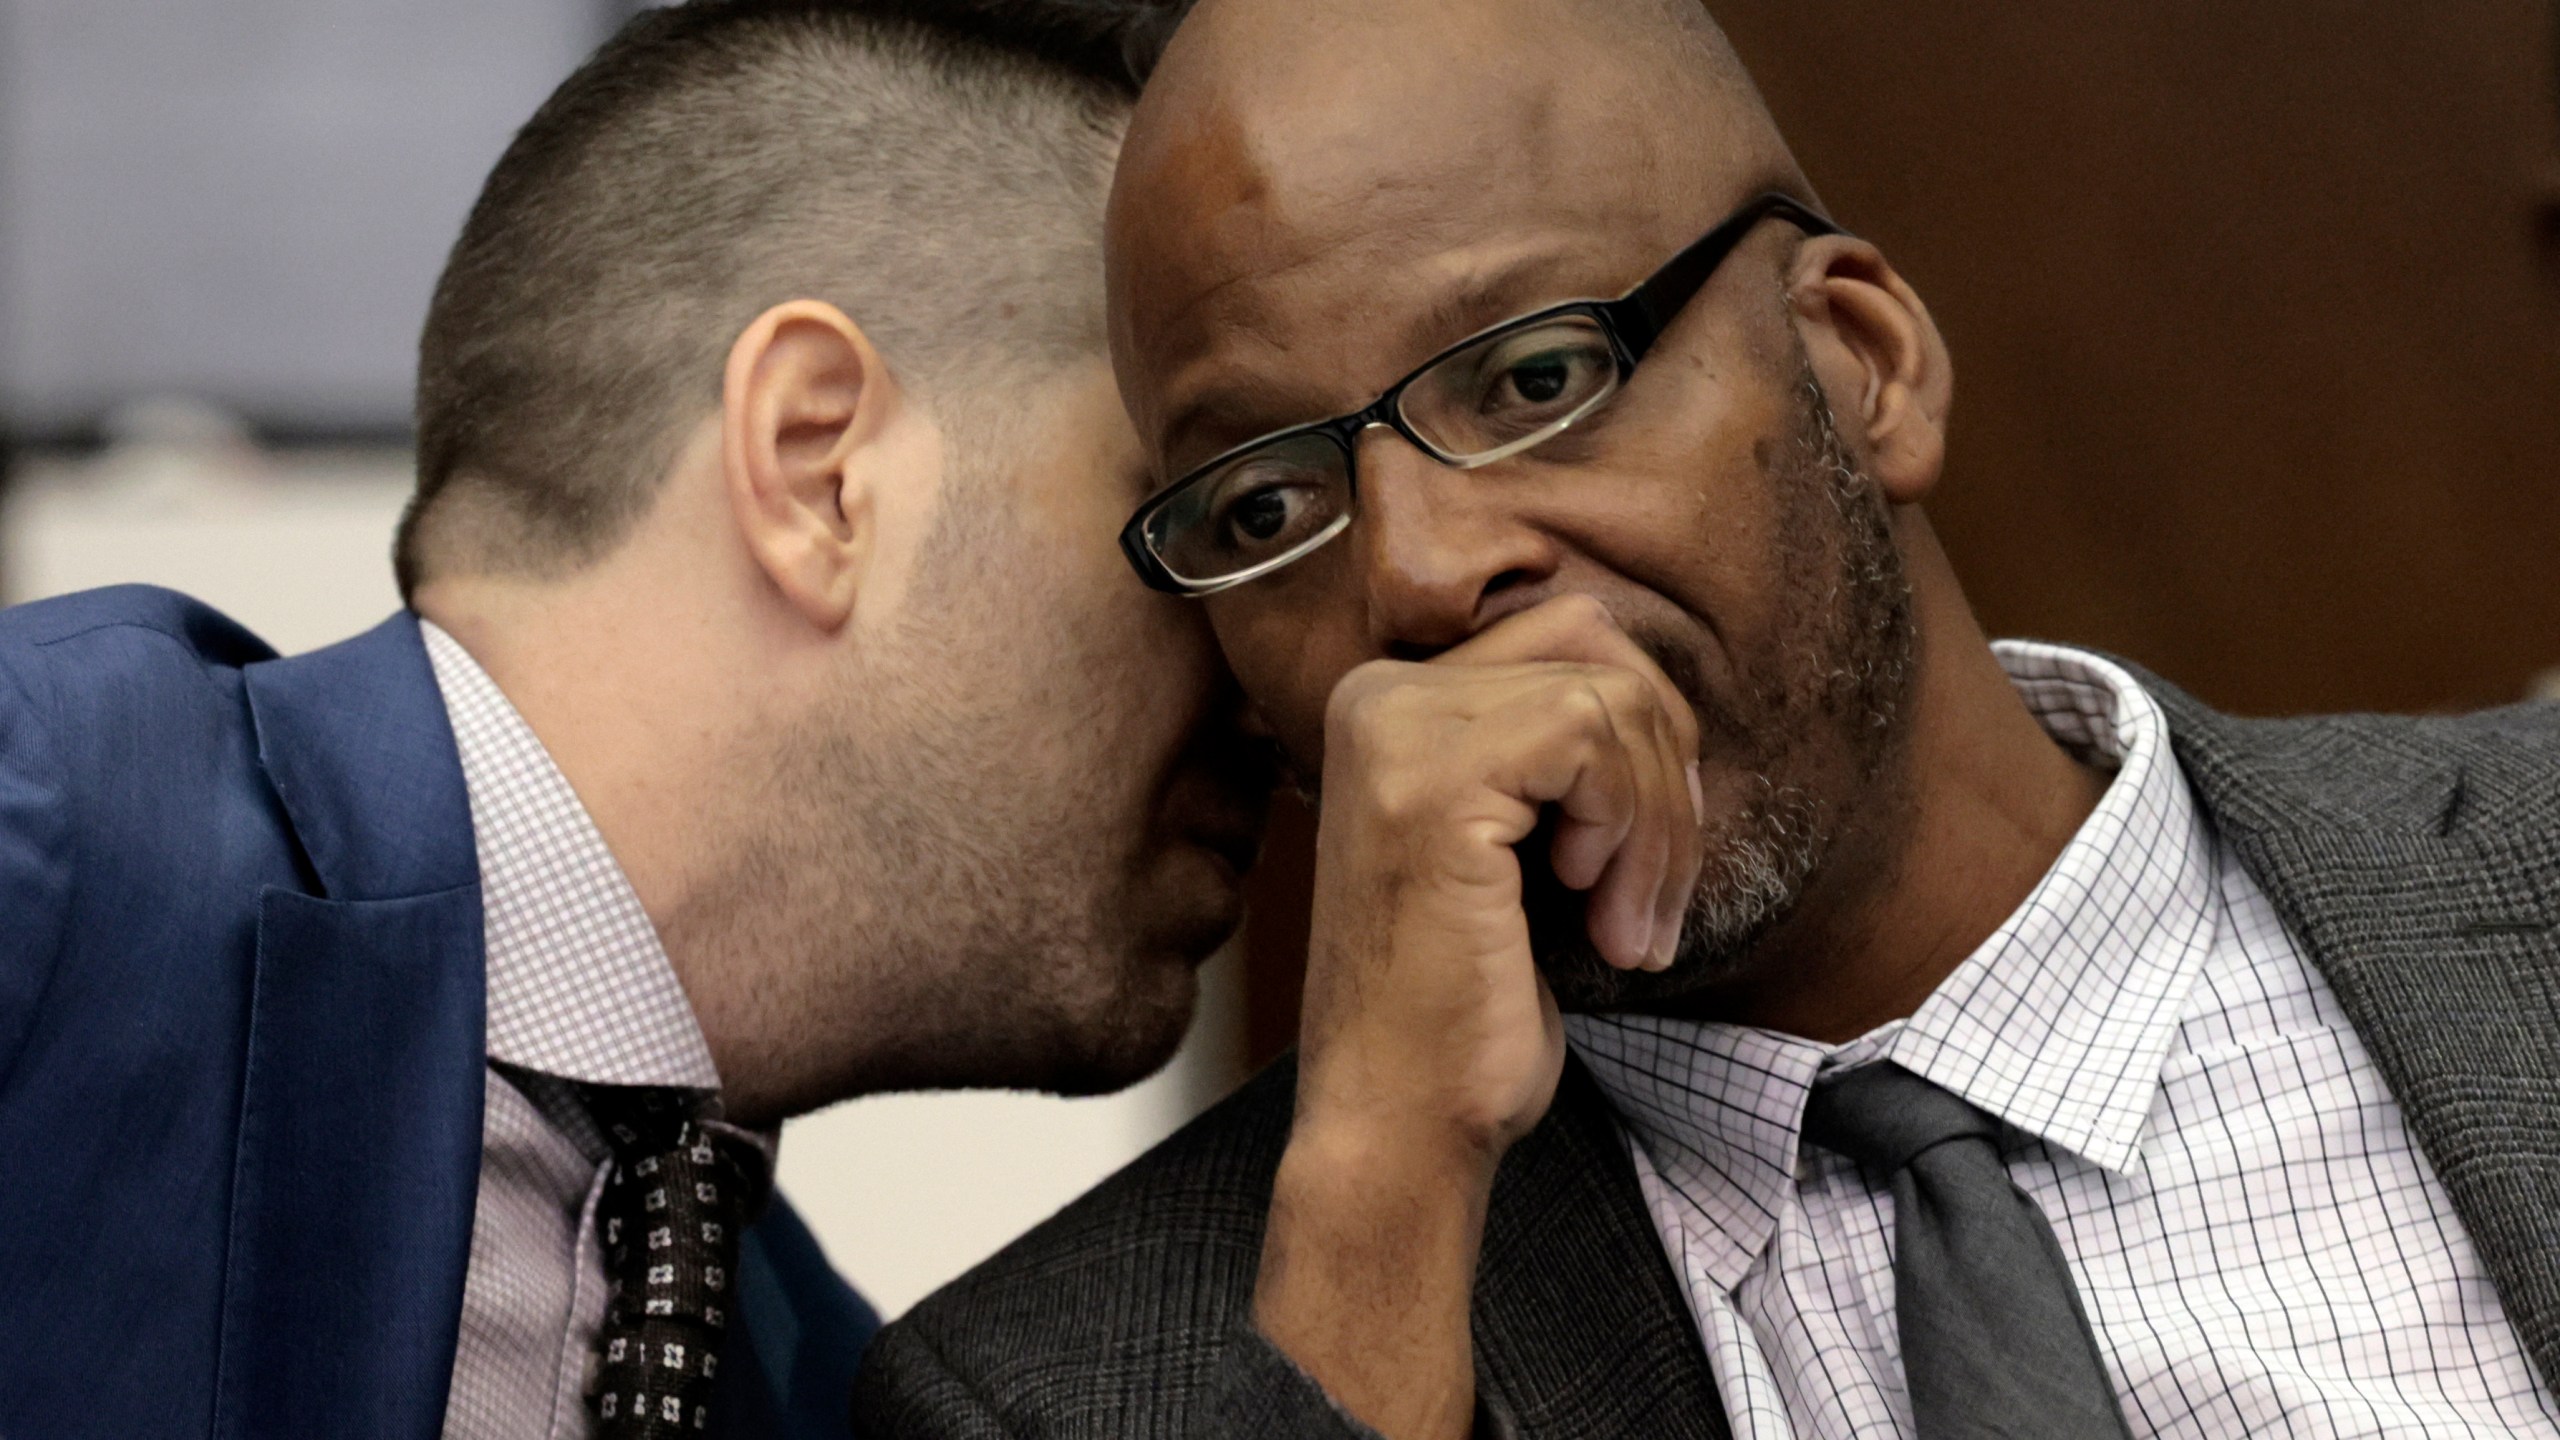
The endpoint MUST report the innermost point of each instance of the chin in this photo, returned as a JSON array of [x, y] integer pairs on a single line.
[[1156, 989], [1132, 1037], [1585, 984], [1186, 912]]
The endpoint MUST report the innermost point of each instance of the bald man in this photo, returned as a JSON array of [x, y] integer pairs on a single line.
[[1742, 999]]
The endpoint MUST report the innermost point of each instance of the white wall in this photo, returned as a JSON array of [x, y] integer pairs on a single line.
[[299, 551], [907, 1191], [904, 1191]]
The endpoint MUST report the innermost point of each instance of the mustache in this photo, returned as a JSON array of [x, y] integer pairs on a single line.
[[1678, 663], [1717, 724]]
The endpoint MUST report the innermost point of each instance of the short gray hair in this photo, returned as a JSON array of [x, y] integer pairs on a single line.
[[942, 184]]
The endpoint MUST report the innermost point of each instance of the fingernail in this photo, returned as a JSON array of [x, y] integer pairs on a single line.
[[1643, 948], [1669, 950], [1697, 794]]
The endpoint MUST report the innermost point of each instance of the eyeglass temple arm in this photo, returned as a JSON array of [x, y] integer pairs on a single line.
[[1642, 314]]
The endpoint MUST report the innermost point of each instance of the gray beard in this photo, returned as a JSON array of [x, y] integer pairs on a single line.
[[1847, 665]]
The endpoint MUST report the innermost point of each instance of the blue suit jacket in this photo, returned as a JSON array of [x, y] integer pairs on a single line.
[[241, 1047]]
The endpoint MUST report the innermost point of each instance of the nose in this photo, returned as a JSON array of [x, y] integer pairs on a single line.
[[1442, 553]]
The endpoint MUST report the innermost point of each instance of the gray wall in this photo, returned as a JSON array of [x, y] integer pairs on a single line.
[[247, 200]]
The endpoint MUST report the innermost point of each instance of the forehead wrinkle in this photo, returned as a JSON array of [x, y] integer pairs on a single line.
[[1286, 203]]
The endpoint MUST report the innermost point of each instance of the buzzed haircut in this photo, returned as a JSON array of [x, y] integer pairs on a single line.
[[935, 170]]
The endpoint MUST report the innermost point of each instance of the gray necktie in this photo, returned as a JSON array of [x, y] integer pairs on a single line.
[[1994, 1343]]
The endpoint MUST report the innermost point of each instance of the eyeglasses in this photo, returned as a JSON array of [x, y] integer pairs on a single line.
[[1272, 501]]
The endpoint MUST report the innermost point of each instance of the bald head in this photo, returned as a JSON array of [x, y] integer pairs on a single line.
[[1318, 198], [1488, 149]]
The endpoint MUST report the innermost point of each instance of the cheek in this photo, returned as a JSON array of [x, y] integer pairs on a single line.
[[1099, 675], [1698, 520], [1158, 668], [1286, 670]]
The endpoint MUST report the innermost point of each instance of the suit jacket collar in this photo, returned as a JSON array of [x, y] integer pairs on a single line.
[[359, 1149], [355, 740], [2420, 869], [1580, 1324]]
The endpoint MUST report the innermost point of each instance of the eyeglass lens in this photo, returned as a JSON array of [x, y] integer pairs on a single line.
[[1513, 387], [1262, 507], [1493, 398]]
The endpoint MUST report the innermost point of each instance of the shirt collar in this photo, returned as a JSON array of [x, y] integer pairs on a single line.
[[2058, 1023], [579, 986]]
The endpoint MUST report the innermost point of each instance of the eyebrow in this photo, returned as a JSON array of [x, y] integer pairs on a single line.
[[1233, 413], [1482, 299]]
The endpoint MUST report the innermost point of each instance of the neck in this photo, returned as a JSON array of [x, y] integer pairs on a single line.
[[643, 698], [1989, 802]]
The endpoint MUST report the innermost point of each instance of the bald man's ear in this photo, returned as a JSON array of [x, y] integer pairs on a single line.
[[1881, 360], [803, 394]]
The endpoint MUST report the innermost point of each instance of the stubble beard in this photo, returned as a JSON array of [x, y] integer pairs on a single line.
[[921, 912], [1843, 673], [994, 927]]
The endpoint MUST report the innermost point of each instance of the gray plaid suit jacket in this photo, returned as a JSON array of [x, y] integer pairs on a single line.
[[2416, 860]]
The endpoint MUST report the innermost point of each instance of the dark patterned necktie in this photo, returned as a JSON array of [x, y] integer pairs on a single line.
[[1994, 1342], [683, 1185]]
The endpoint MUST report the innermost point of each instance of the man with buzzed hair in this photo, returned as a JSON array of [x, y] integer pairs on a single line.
[[1742, 1000], [394, 1039]]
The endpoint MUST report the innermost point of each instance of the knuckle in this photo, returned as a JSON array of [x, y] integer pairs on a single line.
[[1582, 613], [1684, 718], [1584, 702], [1630, 690], [1398, 796], [1389, 736], [1666, 724], [1625, 698], [1363, 701]]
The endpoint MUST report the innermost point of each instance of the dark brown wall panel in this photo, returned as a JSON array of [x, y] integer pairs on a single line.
[[2255, 312]]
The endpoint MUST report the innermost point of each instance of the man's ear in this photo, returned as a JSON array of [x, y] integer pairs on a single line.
[[804, 392], [1880, 358]]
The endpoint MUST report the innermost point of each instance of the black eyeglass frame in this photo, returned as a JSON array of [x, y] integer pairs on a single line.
[[1632, 323]]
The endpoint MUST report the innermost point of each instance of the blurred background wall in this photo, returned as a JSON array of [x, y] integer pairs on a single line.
[[219, 224], [2256, 318]]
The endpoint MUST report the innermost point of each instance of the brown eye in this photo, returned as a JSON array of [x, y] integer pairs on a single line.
[[1541, 380], [1260, 516], [1532, 384], [1269, 502]]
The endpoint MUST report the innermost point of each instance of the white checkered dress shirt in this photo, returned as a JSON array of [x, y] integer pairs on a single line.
[[2259, 1244], [579, 990]]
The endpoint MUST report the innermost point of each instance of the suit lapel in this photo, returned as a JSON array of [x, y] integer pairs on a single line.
[[1581, 1327], [789, 1362], [2436, 934], [359, 1150]]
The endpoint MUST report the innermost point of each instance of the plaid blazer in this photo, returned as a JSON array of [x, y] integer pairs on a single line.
[[2416, 860]]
